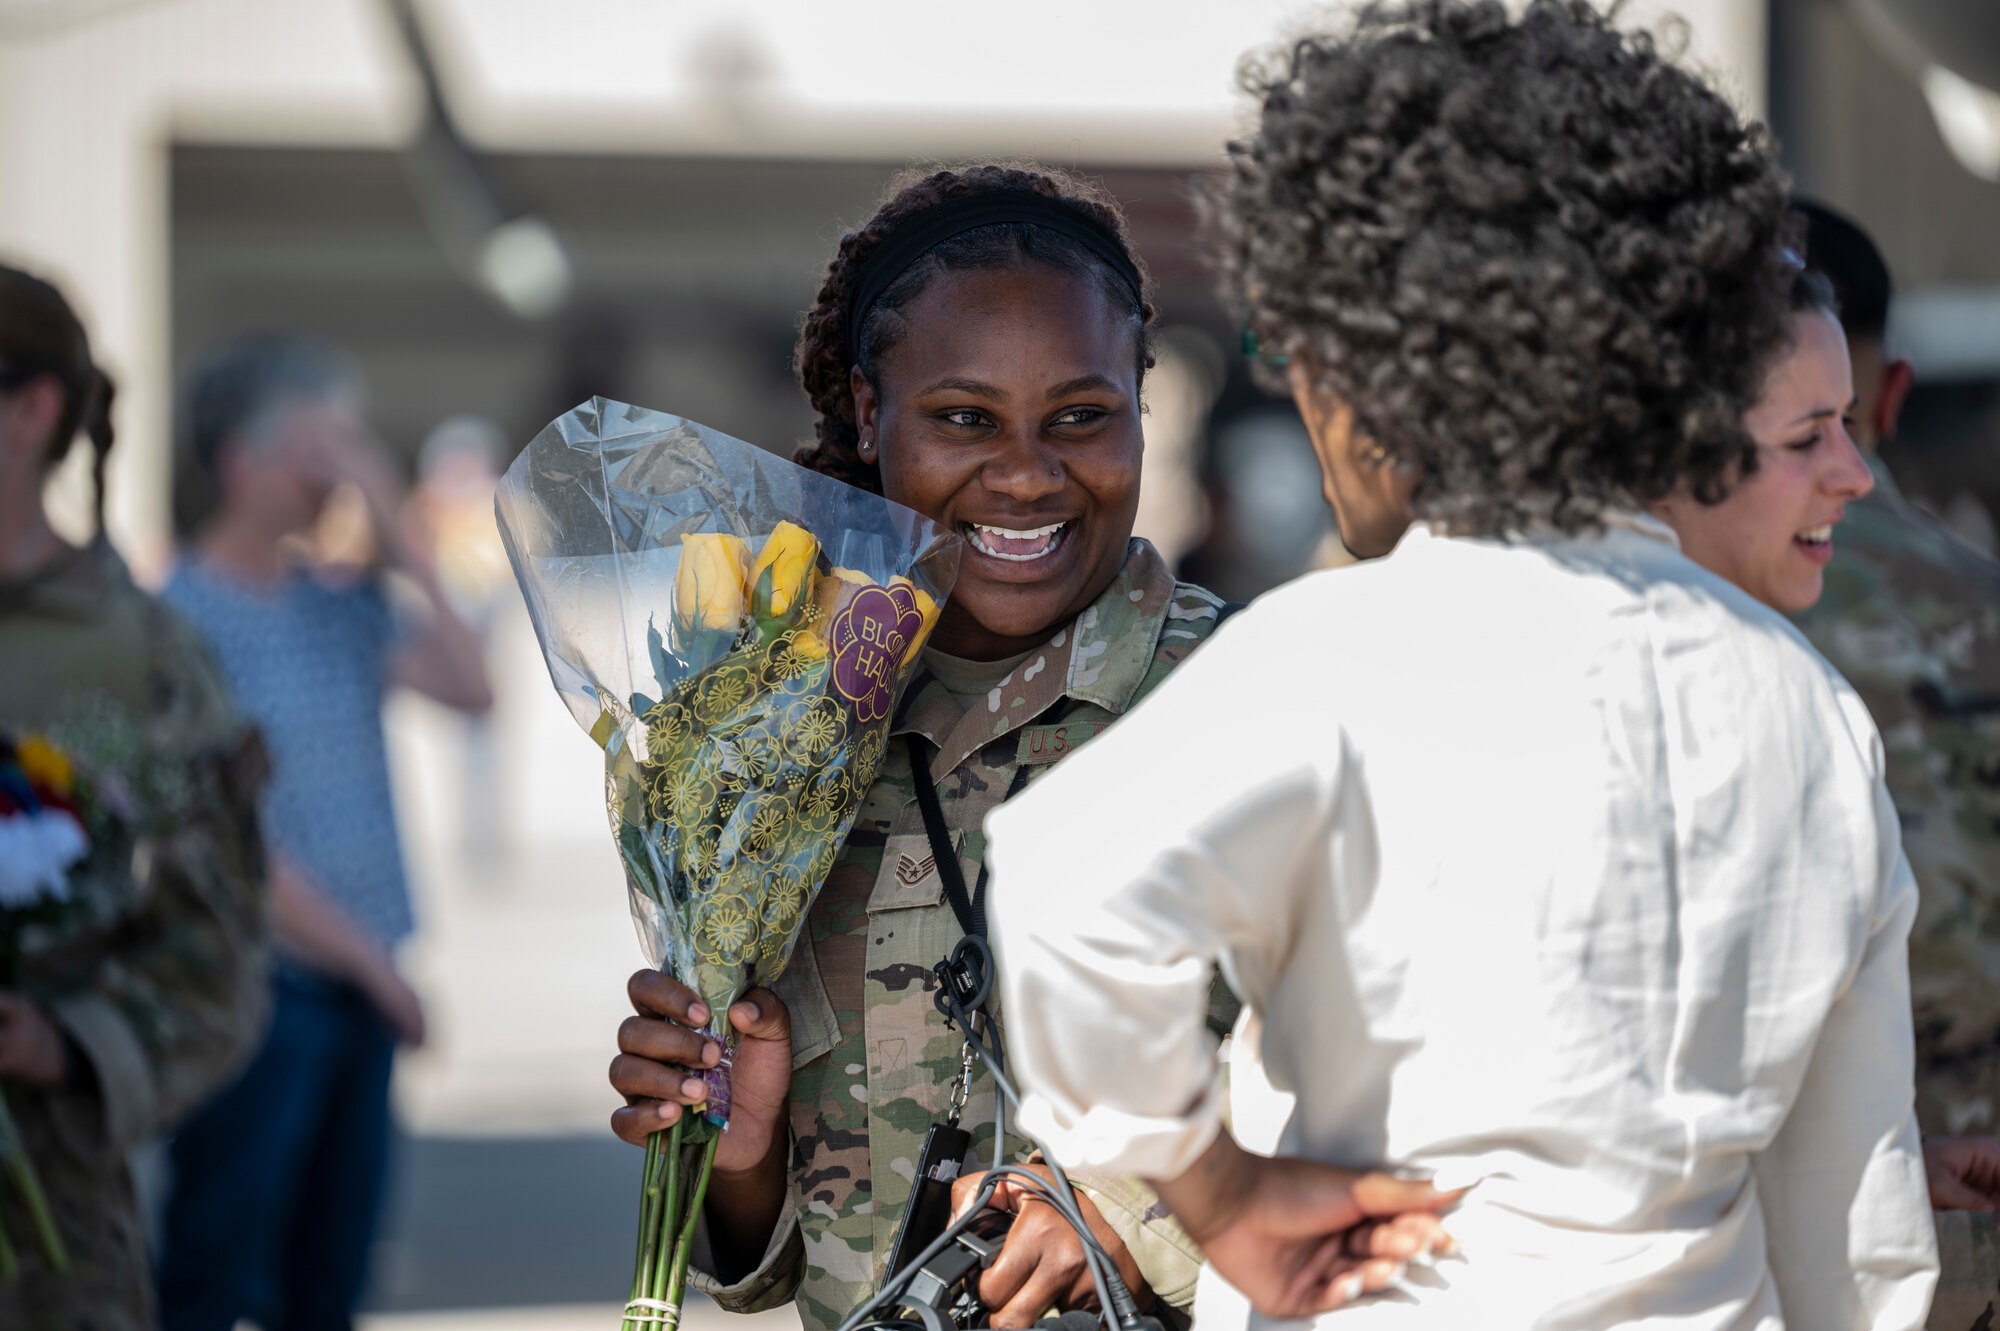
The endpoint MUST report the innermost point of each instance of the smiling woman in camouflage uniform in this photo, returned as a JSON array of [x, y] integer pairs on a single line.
[[131, 1011], [996, 389]]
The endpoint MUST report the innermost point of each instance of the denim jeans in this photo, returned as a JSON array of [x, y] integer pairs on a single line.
[[277, 1183]]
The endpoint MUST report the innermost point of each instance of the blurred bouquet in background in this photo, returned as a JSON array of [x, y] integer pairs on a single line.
[[52, 820], [734, 632]]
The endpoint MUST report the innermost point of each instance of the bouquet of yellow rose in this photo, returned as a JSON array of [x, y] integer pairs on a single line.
[[733, 631]]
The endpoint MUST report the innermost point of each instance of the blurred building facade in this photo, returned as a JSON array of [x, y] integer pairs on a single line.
[[187, 168]]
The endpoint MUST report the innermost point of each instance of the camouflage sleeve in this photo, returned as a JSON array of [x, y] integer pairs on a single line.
[[1937, 764], [180, 994], [1954, 968], [1164, 1253], [1913, 622], [772, 1283]]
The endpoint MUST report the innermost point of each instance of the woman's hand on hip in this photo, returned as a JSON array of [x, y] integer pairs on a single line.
[[1299, 1238]]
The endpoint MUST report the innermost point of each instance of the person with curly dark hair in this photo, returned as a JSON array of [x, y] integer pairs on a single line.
[[977, 353], [1570, 879], [1797, 529], [1773, 535], [1604, 242]]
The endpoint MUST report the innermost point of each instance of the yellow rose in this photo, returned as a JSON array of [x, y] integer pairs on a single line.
[[709, 586], [927, 608], [830, 596], [807, 647], [783, 574], [45, 765]]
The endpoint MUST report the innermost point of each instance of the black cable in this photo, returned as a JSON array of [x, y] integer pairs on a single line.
[[1120, 1308], [1117, 1299], [1111, 1287]]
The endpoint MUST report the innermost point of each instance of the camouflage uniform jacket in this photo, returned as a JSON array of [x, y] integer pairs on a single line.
[[1911, 615], [873, 1061], [157, 983]]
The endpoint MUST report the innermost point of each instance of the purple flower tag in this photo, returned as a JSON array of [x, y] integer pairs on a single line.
[[869, 639], [717, 1078]]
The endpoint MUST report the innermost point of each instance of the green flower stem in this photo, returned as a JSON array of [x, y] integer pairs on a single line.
[[667, 1230], [677, 1278], [649, 1195], [22, 1171]]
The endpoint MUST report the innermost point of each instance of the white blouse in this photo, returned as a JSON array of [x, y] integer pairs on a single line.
[[1562, 868]]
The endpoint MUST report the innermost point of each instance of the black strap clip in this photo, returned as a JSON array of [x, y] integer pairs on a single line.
[[965, 979]]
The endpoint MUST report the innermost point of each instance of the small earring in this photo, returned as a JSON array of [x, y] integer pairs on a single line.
[[1377, 454], [866, 448]]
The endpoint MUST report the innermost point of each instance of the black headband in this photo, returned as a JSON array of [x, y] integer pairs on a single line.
[[920, 234]]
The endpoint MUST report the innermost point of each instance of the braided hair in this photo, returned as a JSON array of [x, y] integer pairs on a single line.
[[40, 334], [823, 360]]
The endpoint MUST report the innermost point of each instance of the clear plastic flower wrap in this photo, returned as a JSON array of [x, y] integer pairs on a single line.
[[734, 632]]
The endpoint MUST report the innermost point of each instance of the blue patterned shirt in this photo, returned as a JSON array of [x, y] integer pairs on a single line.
[[309, 663]]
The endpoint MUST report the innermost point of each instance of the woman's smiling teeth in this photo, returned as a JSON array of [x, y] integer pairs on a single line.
[[1816, 535], [1017, 546]]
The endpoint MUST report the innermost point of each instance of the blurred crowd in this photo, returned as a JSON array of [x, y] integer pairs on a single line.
[[239, 992]]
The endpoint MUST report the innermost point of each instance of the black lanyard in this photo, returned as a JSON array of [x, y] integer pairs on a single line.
[[969, 907]]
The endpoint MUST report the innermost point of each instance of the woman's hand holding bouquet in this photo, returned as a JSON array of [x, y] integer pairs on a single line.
[[31, 1048], [659, 1047]]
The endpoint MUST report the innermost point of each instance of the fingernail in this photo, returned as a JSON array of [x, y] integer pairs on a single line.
[[669, 1110], [1348, 1288], [694, 1088], [698, 1013], [711, 1053]]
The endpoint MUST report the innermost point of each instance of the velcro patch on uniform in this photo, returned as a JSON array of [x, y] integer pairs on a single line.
[[1050, 743]]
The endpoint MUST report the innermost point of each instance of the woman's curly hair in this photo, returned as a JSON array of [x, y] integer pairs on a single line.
[[1545, 267], [824, 361]]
